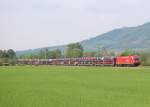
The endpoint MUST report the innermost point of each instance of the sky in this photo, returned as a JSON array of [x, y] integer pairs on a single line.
[[29, 24]]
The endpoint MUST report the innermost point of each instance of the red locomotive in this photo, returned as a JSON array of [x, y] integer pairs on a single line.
[[86, 61], [128, 61]]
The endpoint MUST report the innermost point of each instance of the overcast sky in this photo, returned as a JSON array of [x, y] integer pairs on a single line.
[[28, 24]]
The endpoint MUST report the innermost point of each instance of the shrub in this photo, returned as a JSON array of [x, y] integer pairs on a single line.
[[145, 58]]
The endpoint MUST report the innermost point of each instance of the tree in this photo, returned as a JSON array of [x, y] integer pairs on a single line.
[[58, 53], [1, 53], [127, 52], [43, 54], [46, 53], [145, 58], [76, 53], [11, 53], [74, 50], [4, 54], [7, 57], [52, 54]]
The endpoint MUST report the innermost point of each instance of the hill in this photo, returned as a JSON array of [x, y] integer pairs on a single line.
[[135, 38]]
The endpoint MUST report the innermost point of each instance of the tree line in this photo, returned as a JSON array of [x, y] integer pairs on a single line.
[[7, 57], [74, 50]]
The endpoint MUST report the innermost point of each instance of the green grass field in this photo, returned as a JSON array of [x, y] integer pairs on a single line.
[[50, 86]]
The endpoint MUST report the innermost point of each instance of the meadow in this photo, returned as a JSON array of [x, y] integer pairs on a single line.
[[58, 86]]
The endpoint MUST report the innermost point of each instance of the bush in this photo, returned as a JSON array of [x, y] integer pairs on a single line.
[[6, 61], [145, 58], [128, 52], [12, 61], [6, 64], [1, 63]]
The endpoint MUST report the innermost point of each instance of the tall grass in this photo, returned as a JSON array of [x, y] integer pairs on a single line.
[[50, 86]]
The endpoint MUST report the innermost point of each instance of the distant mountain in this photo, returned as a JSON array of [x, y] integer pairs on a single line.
[[135, 38]]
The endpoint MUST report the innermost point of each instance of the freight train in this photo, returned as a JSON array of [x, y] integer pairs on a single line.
[[132, 60]]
